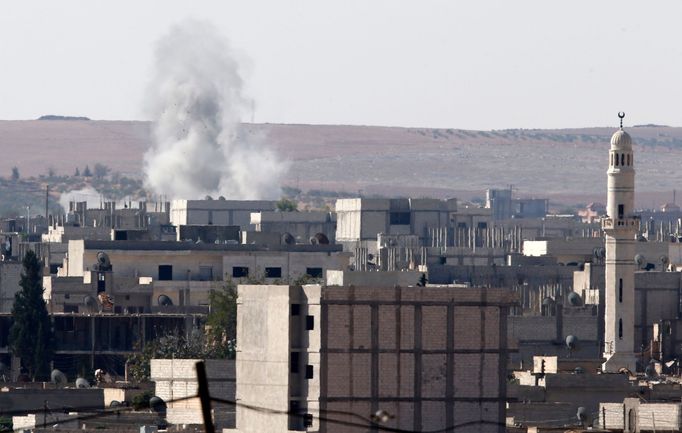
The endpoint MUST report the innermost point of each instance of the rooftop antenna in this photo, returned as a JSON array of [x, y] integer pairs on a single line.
[[621, 114]]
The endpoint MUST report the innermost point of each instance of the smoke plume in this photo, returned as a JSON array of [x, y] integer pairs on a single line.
[[196, 100]]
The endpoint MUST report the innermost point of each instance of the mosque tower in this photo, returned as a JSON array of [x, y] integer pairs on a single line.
[[620, 228]]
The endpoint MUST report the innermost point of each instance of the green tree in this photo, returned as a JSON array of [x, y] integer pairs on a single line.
[[15, 173], [87, 172], [31, 337], [77, 172], [287, 205], [221, 323]]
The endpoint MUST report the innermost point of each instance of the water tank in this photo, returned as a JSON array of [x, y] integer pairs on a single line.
[[57, 377], [82, 383], [571, 342], [164, 301]]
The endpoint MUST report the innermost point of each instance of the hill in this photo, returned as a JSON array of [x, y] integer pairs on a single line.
[[566, 164]]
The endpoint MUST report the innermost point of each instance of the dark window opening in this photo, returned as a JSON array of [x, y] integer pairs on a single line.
[[165, 272], [70, 308], [296, 418], [210, 217], [621, 211], [293, 365], [482, 225], [628, 159], [308, 420], [314, 272], [622, 159], [620, 290], [295, 309], [273, 272], [206, 273], [101, 283], [616, 160], [461, 225], [240, 272], [120, 235], [54, 269], [400, 218], [309, 323], [308, 371], [620, 329]]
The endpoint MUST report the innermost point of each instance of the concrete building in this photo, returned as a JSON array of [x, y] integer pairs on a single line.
[[620, 228], [217, 212], [428, 357], [360, 220], [302, 226]]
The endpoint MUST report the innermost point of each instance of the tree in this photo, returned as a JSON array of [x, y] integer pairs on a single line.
[[15, 173], [87, 172], [221, 322], [101, 170], [31, 337], [287, 205], [77, 173]]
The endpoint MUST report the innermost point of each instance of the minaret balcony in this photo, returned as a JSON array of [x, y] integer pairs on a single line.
[[620, 223]]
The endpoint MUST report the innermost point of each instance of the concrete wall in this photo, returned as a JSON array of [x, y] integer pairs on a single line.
[[411, 351], [373, 279], [262, 365], [217, 212], [10, 274], [33, 400], [177, 379]]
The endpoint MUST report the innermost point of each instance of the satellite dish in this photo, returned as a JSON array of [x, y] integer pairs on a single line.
[[288, 239], [90, 303], [157, 404], [579, 370], [82, 383], [322, 239], [103, 259], [640, 261], [599, 252], [164, 301], [313, 240], [664, 260], [115, 403], [548, 301], [574, 299], [650, 371], [58, 378], [584, 416], [571, 342]]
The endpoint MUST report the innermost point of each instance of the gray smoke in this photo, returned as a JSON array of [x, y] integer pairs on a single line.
[[196, 101]]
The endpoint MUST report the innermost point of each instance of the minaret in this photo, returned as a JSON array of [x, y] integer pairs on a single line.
[[620, 227]]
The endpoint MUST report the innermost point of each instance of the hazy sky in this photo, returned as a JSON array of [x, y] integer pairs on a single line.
[[474, 64]]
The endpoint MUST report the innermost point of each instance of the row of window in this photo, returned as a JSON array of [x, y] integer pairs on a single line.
[[206, 272], [624, 159]]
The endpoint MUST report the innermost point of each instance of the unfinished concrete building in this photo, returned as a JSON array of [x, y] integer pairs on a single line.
[[423, 358]]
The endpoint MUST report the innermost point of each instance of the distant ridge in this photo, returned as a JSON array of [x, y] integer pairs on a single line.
[[56, 117], [391, 161]]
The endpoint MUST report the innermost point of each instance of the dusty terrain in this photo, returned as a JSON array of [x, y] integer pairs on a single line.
[[567, 165]]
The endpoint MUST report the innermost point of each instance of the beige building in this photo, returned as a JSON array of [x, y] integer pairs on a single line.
[[217, 212], [426, 357]]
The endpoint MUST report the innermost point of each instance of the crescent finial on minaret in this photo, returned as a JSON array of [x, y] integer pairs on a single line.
[[621, 114]]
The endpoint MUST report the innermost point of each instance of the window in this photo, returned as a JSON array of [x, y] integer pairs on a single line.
[[240, 272], [628, 159], [309, 323], [293, 364], [620, 329], [210, 217], [400, 218], [308, 371], [165, 272], [622, 159], [314, 272], [206, 273], [620, 290], [101, 282], [295, 309], [273, 272], [621, 211], [616, 160]]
